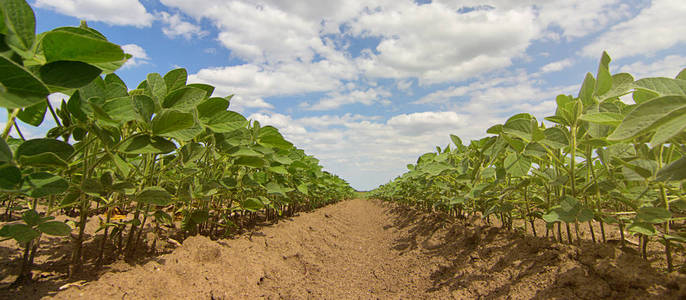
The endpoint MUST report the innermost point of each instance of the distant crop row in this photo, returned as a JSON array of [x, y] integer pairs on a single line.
[[164, 151], [597, 161]]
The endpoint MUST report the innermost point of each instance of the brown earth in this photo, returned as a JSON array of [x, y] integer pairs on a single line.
[[364, 249]]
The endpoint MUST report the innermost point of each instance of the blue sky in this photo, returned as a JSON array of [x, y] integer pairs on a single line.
[[368, 87]]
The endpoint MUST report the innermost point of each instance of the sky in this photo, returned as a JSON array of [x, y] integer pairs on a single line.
[[369, 86]]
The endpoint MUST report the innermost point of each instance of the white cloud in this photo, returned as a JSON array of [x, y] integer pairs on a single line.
[[556, 66], [337, 99], [655, 28], [669, 66], [139, 56], [174, 26], [408, 49], [114, 12], [240, 103]]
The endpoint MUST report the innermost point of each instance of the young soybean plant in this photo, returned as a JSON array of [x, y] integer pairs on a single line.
[[602, 160], [32, 66]]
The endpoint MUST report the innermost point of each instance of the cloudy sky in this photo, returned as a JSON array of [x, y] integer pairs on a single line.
[[368, 86]]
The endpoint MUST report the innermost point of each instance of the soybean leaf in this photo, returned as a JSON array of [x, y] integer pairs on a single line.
[[169, 121], [642, 228], [154, 195], [156, 87], [46, 159], [145, 144], [669, 129], [205, 87], [37, 146], [654, 215], [252, 204], [43, 184], [120, 109], [31, 217], [517, 165], [247, 161], [648, 115], [175, 79], [605, 118], [10, 177], [34, 114], [225, 121], [20, 22], [184, 98], [68, 74], [662, 86], [55, 228], [63, 45], [22, 233], [210, 107], [675, 171], [144, 107], [5, 152], [19, 87]]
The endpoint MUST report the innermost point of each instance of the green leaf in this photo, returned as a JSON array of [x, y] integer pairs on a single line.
[[252, 204], [5, 152], [456, 140], [144, 107], [275, 188], [587, 88], [671, 128], [63, 45], [247, 161], [205, 87], [175, 79], [19, 87], [10, 177], [604, 82], [34, 114], [279, 170], [46, 159], [516, 165], [22, 233], [184, 98], [675, 171], [226, 121], [68, 74], [662, 86], [200, 216], [210, 107], [55, 228], [38, 146], [648, 115], [115, 87], [120, 109], [20, 22], [156, 87], [154, 195], [31, 217], [43, 184], [163, 217], [169, 121], [434, 169], [605, 118], [145, 144], [653, 215], [642, 228]]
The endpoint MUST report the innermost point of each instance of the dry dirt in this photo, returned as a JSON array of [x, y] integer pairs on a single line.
[[364, 249]]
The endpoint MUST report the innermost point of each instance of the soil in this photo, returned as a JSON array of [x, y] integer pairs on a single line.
[[366, 249]]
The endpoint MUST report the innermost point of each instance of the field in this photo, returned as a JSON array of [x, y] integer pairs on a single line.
[[163, 191], [367, 249]]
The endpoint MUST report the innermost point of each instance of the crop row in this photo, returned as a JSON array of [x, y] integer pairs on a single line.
[[164, 151], [597, 160]]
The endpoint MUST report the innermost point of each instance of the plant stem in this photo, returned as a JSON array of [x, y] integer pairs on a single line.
[[11, 117]]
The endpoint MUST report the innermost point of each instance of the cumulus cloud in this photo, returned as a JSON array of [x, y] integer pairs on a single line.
[[652, 30], [175, 26], [114, 12], [138, 55], [556, 66], [337, 99], [668, 66]]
